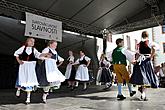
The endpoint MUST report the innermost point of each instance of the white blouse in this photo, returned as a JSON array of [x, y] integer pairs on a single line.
[[104, 62], [71, 58], [28, 51], [129, 55], [86, 58], [46, 50], [154, 45]]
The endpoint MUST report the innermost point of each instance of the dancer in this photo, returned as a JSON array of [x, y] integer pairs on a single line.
[[143, 73], [26, 57], [119, 57], [48, 73], [82, 71], [104, 75], [70, 71]]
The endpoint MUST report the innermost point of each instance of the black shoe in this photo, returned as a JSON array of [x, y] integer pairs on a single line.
[[18, 96], [133, 93], [84, 89], [109, 86], [75, 86], [106, 88], [144, 99], [120, 97], [44, 101], [72, 88], [69, 86]]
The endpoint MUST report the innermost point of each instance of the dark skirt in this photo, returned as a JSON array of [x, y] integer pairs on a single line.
[[73, 74], [105, 76], [143, 74], [41, 74]]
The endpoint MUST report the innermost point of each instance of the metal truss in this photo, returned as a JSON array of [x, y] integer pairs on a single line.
[[155, 20], [154, 5], [151, 22], [68, 24]]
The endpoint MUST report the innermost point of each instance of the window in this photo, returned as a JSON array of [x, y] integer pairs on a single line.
[[163, 47], [128, 42], [136, 44], [163, 29]]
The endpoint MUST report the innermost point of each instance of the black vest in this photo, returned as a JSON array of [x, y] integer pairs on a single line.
[[68, 60], [102, 64], [144, 48], [54, 56], [83, 61], [25, 57]]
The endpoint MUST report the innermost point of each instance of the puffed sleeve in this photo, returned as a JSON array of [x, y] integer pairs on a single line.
[[129, 54], [107, 63], [60, 58], [87, 58], [46, 50], [19, 51], [77, 61], [154, 45], [100, 63], [109, 55], [71, 59], [36, 53]]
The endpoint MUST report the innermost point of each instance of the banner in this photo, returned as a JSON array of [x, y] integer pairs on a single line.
[[42, 27]]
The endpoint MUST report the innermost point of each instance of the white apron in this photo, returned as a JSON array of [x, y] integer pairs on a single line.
[[52, 72], [27, 74], [68, 71], [82, 73]]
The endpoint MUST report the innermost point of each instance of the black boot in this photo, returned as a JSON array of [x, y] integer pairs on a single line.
[[143, 99], [132, 93], [120, 97]]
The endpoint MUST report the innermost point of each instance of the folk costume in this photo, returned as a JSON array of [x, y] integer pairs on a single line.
[[82, 73], [120, 55], [143, 71], [27, 78], [104, 75], [48, 73], [70, 69]]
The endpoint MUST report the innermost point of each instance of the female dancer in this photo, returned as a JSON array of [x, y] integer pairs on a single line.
[[104, 75], [26, 57], [82, 71], [70, 71], [48, 73], [143, 73]]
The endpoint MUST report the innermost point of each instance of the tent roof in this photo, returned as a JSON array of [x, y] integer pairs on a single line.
[[91, 16]]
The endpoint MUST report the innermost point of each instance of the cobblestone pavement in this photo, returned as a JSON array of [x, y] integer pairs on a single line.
[[92, 99]]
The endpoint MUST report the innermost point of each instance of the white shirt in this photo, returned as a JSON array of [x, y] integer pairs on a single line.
[[46, 50], [71, 58], [86, 58], [154, 45], [28, 51], [129, 55], [104, 62]]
